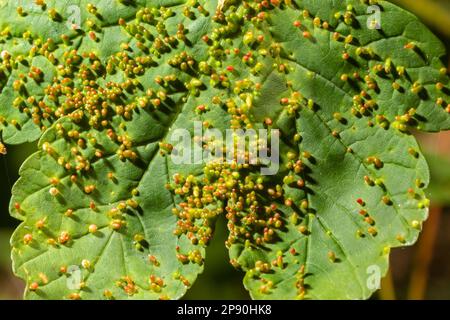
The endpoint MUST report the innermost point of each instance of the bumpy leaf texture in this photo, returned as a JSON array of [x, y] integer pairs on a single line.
[[104, 84]]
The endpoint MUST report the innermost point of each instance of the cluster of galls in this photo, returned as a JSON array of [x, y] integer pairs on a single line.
[[76, 85], [197, 210], [81, 91], [249, 219], [368, 85]]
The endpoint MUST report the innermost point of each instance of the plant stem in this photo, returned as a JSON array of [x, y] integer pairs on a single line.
[[387, 291], [424, 256]]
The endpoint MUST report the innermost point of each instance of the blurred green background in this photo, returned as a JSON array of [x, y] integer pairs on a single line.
[[418, 272]]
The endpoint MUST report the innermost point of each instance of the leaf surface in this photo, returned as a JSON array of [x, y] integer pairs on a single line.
[[104, 195]]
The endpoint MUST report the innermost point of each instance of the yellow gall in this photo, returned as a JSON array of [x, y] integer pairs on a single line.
[[116, 224], [415, 224], [33, 286], [74, 296], [86, 264], [64, 237], [331, 256], [27, 238], [372, 231], [40, 224], [89, 189], [53, 191], [93, 228]]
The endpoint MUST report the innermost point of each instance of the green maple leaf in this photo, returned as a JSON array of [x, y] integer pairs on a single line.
[[104, 203]]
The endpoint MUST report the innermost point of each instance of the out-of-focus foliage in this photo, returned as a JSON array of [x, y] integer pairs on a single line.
[[435, 13], [4, 247], [439, 189]]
